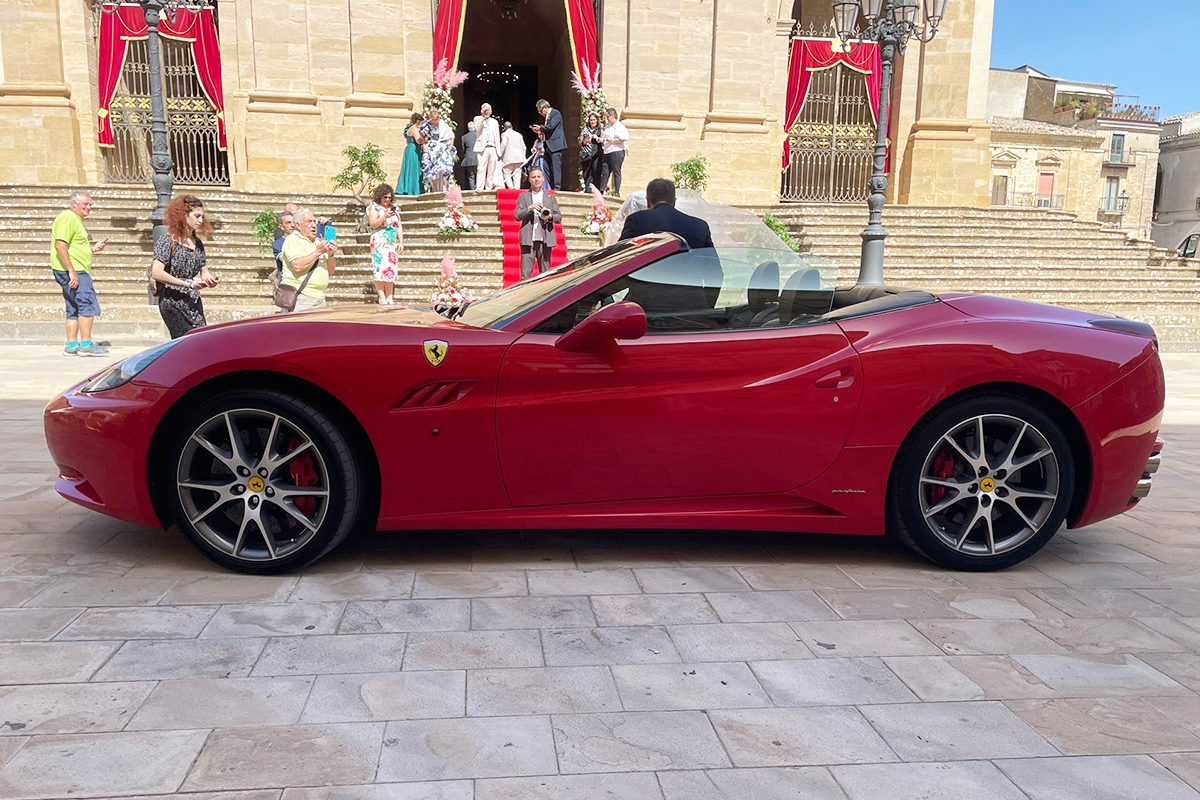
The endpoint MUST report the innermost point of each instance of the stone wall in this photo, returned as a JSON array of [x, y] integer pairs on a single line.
[[1179, 202]]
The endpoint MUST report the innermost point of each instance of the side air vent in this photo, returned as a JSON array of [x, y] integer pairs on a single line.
[[437, 394]]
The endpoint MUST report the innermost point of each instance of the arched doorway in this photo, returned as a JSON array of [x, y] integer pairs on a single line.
[[517, 53]]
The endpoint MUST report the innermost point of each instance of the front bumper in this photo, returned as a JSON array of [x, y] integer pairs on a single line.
[[101, 443]]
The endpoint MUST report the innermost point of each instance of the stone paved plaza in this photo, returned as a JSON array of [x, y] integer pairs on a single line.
[[581, 666]]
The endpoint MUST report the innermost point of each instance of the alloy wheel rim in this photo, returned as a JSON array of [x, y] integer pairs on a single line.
[[988, 485], [253, 484]]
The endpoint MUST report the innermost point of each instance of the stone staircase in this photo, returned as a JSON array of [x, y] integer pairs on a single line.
[[1031, 254]]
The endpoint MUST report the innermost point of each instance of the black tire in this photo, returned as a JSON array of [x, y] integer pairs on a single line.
[[327, 455], [926, 454]]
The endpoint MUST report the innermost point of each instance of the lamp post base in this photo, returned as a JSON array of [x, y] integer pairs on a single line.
[[870, 268]]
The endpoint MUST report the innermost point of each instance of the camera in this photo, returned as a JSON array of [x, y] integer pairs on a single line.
[[545, 213]]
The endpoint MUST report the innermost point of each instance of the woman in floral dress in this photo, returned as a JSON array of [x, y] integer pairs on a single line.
[[437, 162], [387, 242]]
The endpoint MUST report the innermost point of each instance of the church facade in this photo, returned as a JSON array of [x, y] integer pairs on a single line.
[[300, 81]]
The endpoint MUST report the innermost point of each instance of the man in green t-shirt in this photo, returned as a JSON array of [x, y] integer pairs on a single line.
[[71, 260]]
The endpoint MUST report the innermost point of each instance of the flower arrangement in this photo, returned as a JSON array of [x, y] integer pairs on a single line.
[[438, 88], [600, 219], [594, 100], [447, 294], [456, 220]]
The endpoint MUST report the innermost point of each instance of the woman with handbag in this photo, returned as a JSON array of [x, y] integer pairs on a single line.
[[180, 269], [307, 264], [590, 143]]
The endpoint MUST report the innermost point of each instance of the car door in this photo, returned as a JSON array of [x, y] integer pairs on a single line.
[[707, 403]]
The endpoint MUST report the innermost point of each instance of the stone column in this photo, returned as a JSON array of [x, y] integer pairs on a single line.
[[946, 157]]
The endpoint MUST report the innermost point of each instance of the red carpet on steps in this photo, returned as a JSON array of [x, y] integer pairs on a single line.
[[506, 204]]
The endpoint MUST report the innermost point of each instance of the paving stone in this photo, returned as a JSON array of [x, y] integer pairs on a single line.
[[230, 589], [782, 737], [580, 647], [830, 682], [688, 580], [977, 780], [52, 662], [353, 586], [274, 619], [583, 582], [326, 655], [186, 658], [623, 557], [1099, 676], [540, 690], [382, 696], [996, 603], [1183, 630], [636, 742], [944, 678], [91, 592], [158, 622], [18, 591], [769, 783], [1184, 710], [470, 584], [1185, 766], [899, 576], [1107, 726], [287, 755], [95, 764], [615, 786], [521, 613], [1184, 602], [401, 616], [1093, 552], [37, 543], [223, 703], [424, 790], [473, 650], [785, 606], [653, 609], [9, 745], [863, 638], [956, 731], [888, 604], [1105, 636], [972, 637], [681, 687], [488, 747], [69, 708], [495, 558], [793, 576], [34, 624], [1098, 603], [1097, 576], [1096, 778], [750, 641]]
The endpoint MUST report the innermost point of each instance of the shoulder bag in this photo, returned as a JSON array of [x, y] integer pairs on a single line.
[[286, 296], [154, 287]]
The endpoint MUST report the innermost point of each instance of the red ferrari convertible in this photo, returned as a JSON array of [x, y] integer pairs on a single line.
[[645, 385]]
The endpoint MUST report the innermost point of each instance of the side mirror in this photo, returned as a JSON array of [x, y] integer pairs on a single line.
[[616, 321]]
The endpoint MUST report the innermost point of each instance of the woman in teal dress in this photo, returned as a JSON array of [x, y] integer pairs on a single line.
[[409, 182]]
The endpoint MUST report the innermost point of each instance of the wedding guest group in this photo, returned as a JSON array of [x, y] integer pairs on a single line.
[[180, 268], [71, 252], [537, 211]]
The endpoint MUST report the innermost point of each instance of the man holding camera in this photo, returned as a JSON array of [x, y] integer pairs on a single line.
[[537, 211]]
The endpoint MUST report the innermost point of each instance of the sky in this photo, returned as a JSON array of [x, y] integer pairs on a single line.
[[1148, 48]]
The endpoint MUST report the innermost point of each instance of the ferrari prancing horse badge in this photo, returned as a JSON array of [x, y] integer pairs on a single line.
[[435, 351]]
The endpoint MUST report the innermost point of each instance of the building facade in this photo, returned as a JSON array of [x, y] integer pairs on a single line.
[[1074, 147], [1177, 197], [302, 80]]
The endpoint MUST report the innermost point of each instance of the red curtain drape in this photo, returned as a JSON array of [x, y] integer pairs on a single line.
[[814, 55], [126, 23], [581, 25], [448, 31]]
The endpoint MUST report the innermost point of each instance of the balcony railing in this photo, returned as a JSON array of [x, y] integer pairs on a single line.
[[1134, 111], [1118, 158], [1112, 205], [1027, 200]]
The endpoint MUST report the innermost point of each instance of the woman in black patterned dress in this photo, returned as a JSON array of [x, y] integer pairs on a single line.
[[180, 267]]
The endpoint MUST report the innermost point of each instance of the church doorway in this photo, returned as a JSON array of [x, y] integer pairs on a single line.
[[517, 53]]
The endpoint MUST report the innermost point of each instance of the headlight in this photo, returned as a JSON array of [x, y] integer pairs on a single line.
[[125, 371]]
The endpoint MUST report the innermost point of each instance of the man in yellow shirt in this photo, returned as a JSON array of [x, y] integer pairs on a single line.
[[71, 260], [303, 253]]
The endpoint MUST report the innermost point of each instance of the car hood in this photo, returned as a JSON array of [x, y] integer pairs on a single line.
[[401, 316]]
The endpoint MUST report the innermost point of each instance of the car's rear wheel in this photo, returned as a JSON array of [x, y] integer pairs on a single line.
[[981, 484], [263, 482]]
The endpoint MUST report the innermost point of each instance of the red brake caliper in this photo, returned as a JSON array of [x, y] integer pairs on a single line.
[[303, 474], [943, 467]]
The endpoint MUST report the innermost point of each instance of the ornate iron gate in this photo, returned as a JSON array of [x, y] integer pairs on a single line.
[[832, 140], [191, 120]]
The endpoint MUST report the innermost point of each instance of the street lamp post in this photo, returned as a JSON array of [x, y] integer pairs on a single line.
[[890, 23], [160, 151], [1122, 208]]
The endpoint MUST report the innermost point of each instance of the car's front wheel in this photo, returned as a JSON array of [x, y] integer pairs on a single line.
[[263, 481], [981, 484]]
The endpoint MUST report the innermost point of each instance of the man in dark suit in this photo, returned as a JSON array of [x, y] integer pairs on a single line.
[[470, 161], [556, 142], [537, 211], [660, 216]]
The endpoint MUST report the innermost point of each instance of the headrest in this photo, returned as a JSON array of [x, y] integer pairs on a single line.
[[764, 286], [802, 296]]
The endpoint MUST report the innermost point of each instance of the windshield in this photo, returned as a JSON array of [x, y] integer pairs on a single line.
[[507, 304]]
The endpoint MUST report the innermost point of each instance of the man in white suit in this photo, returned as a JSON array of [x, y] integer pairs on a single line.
[[512, 156], [487, 148]]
